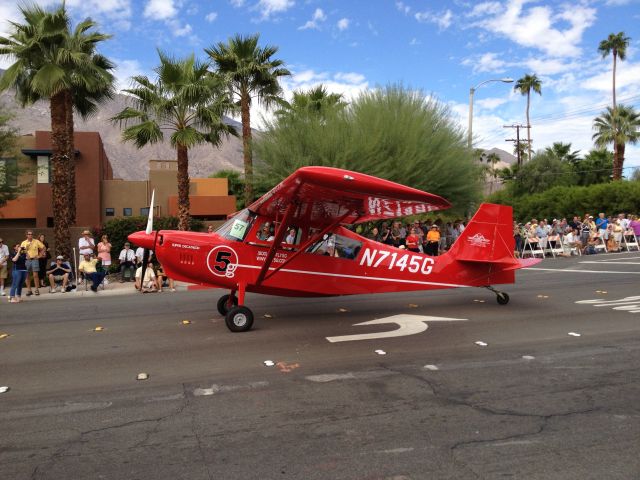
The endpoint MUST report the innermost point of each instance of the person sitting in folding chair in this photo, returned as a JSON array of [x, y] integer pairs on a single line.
[[59, 271], [90, 271]]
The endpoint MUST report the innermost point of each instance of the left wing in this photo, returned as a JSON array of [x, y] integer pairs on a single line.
[[324, 195]]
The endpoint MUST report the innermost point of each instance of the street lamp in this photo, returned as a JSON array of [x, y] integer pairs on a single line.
[[471, 92]]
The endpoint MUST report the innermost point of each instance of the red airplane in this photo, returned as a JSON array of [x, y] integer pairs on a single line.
[[293, 242]]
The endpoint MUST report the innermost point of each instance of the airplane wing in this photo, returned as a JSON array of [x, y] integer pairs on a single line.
[[325, 195]]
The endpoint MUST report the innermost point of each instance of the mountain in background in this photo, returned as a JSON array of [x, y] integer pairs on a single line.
[[128, 162]]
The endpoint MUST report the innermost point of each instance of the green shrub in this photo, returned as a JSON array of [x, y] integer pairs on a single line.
[[558, 202]]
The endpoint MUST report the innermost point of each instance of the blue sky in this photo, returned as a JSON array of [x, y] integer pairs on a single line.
[[441, 47]]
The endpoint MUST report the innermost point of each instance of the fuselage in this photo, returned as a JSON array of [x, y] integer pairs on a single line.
[[351, 265]]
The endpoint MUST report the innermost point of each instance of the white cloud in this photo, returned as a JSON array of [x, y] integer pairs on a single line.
[[343, 24], [490, 103], [540, 27], [415, 41], [349, 85], [314, 24], [442, 20], [236, 3], [160, 9], [211, 17], [487, 62], [125, 69], [267, 8], [403, 7]]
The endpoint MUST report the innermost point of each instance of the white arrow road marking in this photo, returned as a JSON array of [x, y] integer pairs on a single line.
[[409, 325]]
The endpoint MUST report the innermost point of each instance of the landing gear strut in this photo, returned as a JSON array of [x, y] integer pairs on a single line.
[[501, 297], [237, 317]]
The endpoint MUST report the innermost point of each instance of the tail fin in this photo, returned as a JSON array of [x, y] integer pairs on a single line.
[[488, 238]]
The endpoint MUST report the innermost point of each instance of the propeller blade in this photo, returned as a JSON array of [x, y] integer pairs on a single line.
[[145, 261], [150, 219]]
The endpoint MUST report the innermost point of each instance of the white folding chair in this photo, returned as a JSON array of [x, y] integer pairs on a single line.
[[532, 247], [554, 246], [601, 243], [629, 240]]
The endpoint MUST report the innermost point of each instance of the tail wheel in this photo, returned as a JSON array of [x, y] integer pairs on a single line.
[[239, 319], [226, 303], [502, 298]]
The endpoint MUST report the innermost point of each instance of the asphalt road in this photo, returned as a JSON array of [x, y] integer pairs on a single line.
[[534, 403]]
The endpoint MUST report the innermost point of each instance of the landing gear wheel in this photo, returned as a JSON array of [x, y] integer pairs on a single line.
[[224, 305], [502, 298], [239, 319]]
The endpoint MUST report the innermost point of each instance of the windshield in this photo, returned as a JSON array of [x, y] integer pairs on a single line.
[[237, 227]]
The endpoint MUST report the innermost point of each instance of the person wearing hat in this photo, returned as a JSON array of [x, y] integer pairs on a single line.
[[59, 271], [433, 239], [127, 259], [86, 244]]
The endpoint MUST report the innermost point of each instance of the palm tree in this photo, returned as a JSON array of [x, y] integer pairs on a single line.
[[562, 151], [524, 85], [315, 101], [52, 63], [186, 100], [619, 126], [492, 159], [251, 72], [615, 44]]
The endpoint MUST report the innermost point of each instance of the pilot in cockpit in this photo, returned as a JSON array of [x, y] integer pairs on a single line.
[[265, 233]]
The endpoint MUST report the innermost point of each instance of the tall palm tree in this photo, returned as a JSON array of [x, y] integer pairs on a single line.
[[492, 159], [186, 100], [615, 44], [524, 85], [619, 126], [55, 64], [251, 72]]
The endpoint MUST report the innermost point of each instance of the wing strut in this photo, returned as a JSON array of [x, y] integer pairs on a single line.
[[308, 243], [276, 241]]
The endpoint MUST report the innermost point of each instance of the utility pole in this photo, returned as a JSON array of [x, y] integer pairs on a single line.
[[516, 141]]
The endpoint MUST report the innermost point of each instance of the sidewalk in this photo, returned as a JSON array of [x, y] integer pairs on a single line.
[[114, 287]]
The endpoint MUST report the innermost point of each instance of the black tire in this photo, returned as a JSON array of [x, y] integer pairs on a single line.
[[239, 319], [223, 304], [502, 298]]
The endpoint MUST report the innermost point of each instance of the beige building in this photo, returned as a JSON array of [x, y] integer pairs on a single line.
[[208, 197]]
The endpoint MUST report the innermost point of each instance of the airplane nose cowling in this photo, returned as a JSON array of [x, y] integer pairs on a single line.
[[143, 239]]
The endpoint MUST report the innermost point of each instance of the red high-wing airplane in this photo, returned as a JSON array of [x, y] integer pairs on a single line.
[[323, 258]]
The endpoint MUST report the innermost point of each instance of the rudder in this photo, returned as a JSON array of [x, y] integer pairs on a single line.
[[488, 238]]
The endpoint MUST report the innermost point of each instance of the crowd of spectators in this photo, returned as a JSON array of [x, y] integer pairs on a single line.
[[427, 237], [30, 263], [580, 235]]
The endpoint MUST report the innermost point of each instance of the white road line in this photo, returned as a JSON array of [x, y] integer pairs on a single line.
[[612, 263], [580, 271]]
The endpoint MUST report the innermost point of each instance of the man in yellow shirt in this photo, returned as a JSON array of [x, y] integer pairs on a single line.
[[34, 248], [88, 267], [433, 239]]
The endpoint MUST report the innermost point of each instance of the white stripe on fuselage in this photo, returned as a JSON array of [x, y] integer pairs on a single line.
[[359, 277]]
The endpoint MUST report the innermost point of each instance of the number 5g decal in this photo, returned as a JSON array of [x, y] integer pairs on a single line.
[[222, 261]]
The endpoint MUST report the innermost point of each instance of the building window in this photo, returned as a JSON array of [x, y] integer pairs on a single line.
[[144, 211], [109, 212], [9, 172], [44, 168], [127, 212]]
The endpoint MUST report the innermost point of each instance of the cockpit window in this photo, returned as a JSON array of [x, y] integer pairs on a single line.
[[237, 227], [333, 245]]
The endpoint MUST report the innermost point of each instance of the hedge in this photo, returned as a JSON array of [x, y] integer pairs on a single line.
[[558, 202]]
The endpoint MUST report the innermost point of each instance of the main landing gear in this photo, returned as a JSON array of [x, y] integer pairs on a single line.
[[237, 317], [501, 297]]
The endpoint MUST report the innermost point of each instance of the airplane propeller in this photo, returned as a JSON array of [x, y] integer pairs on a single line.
[[145, 252]]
